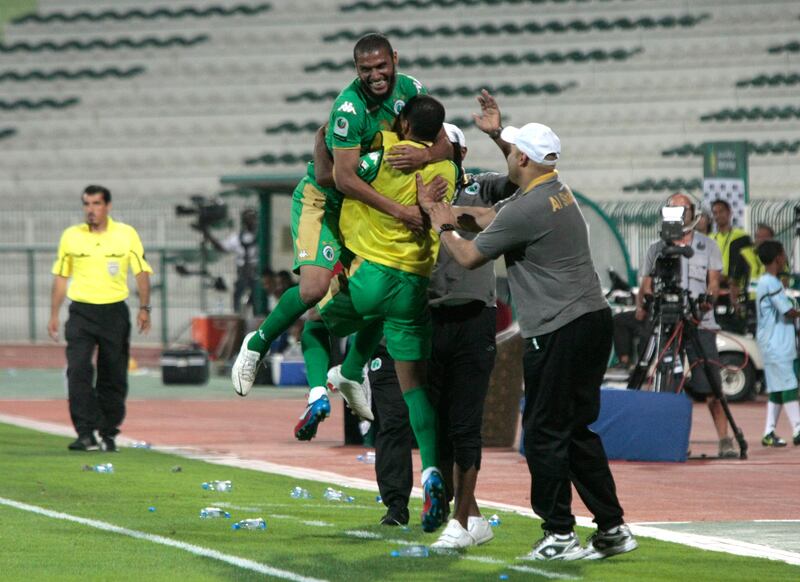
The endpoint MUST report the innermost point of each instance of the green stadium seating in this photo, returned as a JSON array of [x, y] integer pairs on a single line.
[[458, 91], [766, 148], [488, 60], [275, 159], [153, 14], [101, 43], [789, 47], [753, 114], [7, 132], [312, 126], [777, 80], [665, 184], [67, 75], [531, 27], [30, 104], [367, 6]]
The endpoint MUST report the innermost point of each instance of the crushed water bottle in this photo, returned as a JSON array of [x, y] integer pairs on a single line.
[[411, 552], [101, 468], [299, 493], [332, 494], [494, 521], [368, 458], [141, 445], [214, 512], [254, 523], [223, 486]]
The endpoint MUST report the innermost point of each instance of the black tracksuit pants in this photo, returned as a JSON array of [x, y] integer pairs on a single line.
[[97, 404], [563, 372]]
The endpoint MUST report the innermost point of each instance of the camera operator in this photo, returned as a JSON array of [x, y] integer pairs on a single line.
[[700, 276], [244, 245]]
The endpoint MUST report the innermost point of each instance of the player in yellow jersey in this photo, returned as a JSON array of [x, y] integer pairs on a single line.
[[385, 290]]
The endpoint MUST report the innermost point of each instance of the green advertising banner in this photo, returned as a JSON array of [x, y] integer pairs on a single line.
[[725, 177]]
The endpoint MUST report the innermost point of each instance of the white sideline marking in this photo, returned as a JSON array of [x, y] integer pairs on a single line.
[[364, 535], [243, 563], [316, 523], [703, 542], [544, 573]]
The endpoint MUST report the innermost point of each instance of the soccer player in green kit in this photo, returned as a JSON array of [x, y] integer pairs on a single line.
[[365, 107]]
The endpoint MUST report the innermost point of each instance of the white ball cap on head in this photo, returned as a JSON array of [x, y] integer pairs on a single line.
[[535, 140], [455, 135]]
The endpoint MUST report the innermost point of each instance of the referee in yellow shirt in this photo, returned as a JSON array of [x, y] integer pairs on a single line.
[[97, 255]]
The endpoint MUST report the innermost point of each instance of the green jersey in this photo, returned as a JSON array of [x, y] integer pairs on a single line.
[[356, 117]]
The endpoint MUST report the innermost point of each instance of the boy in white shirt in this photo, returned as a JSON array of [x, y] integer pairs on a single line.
[[778, 343]]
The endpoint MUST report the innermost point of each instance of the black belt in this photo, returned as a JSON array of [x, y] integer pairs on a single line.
[[457, 312]]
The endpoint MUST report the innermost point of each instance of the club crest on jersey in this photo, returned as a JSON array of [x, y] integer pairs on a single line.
[[472, 189], [398, 106], [341, 126], [375, 364], [347, 107], [327, 252]]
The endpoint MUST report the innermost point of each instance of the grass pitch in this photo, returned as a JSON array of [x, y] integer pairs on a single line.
[[310, 538]]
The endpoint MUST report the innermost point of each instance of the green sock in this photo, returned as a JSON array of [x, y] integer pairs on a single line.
[[289, 308], [360, 351], [424, 424], [316, 344]]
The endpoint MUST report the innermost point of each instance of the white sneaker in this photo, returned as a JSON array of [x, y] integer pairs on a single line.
[[552, 546], [355, 394], [243, 373], [480, 530], [454, 537]]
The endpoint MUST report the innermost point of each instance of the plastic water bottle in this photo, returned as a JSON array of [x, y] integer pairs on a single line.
[[254, 523], [411, 552], [103, 468], [141, 445], [494, 521], [378, 499], [332, 494], [299, 493], [368, 458], [223, 486], [213, 513]]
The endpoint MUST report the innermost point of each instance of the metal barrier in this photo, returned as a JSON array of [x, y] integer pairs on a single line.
[[26, 285]]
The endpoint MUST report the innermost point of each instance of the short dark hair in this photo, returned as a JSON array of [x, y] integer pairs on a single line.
[[768, 251], [425, 116], [723, 202], [370, 43], [766, 227], [93, 189]]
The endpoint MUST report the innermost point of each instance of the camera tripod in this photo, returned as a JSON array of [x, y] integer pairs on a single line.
[[665, 348]]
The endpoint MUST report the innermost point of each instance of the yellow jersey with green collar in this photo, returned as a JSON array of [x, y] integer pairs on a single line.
[[98, 262], [378, 237]]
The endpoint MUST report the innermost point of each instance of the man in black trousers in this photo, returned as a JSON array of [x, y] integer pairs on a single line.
[[96, 255], [567, 325]]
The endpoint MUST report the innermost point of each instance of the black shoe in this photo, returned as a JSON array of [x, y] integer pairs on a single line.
[[84, 443], [108, 444], [395, 516]]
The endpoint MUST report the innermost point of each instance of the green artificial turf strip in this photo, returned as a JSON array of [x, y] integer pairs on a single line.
[[38, 470]]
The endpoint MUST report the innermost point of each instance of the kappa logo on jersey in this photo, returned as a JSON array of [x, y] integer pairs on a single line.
[[347, 107], [341, 126], [417, 84], [327, 252], [303, 254], [398, 106]]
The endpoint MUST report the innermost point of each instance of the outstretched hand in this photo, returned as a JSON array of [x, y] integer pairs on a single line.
[[407, 158], [489, 119]]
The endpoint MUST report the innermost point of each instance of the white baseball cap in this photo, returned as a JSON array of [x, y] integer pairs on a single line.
[[455, 135], [535, 140]]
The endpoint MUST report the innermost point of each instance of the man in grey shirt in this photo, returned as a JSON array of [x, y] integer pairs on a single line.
[[699, 274], [567, 326]]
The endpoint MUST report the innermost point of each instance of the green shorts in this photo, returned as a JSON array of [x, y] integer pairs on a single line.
[[372, 292], [315, 225]]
